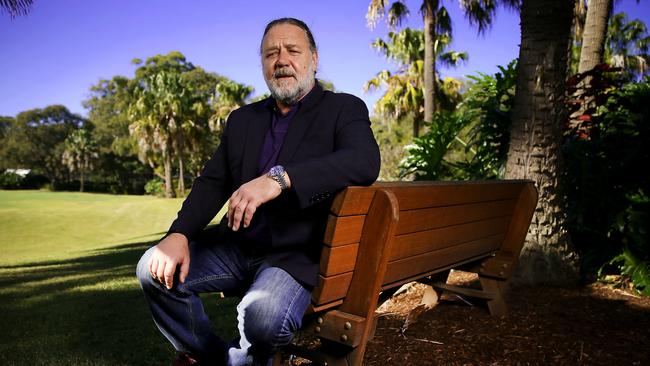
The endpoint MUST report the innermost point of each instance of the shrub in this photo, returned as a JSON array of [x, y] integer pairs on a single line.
[[488, 105], [9, 180], [608, 187], [472, 141], [426, 155], [155, 187]]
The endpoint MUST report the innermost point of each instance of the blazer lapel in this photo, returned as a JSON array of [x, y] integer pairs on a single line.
[[299, 125], [258, 125]]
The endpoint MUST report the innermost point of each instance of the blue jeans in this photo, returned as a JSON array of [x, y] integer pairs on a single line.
[[268, 315]]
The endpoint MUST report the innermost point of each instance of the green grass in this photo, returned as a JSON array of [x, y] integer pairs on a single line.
[[68, 294]]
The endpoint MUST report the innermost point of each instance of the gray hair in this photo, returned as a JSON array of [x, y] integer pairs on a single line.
[[298, 23]]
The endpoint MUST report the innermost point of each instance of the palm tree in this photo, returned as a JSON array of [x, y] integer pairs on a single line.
[[404, 88], [538, 116], [157, 121], [592, 34], [436, 22], [627, 45], [80, 151], [16, 7], [228, 96], [595, 31]]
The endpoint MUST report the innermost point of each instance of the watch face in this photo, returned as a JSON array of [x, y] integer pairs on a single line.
[[276, 170]]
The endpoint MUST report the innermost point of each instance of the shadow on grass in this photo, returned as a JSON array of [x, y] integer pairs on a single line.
[[86, 311]]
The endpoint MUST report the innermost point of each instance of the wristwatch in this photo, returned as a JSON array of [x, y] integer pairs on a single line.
[[277, 174]]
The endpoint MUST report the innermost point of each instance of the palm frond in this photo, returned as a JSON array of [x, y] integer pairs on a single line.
[[479, 12], [16, 7], [443, 21], [376, 11], [453, 58], [396, 14]]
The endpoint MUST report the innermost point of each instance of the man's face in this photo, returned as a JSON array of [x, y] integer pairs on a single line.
[[288, 63]]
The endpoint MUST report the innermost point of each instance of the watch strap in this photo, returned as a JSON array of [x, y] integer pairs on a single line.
[[277, 174]]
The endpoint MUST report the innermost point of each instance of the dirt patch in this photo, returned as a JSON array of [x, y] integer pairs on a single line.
[[592, 325]]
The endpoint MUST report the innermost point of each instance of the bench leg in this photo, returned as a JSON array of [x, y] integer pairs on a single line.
[[330, 353], [496, 289], [339, 355]]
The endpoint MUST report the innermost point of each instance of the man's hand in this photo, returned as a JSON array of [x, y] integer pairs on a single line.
[[244, 202], [169, 253]]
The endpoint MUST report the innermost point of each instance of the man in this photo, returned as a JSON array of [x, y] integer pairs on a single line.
[[279, 164]]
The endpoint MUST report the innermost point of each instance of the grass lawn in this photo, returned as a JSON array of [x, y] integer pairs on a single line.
[[68, 294]]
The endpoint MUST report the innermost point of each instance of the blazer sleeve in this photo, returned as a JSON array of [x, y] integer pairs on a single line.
[[354, 160], [209, 193]]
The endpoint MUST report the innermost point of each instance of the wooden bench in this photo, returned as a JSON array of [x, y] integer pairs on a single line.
[[383, 236]]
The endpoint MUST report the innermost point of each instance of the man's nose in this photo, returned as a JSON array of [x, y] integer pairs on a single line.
[[283, 58]]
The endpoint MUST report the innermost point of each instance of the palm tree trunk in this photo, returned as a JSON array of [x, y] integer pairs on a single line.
[[430, 7], [181, 176], [538, 116], [169, 189], [593, 37], [178, 148]]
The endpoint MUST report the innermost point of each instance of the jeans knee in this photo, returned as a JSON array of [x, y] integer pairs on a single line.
[[267, 325], [142, 270]]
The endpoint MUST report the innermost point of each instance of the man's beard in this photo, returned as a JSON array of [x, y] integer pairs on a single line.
[[283, 92]]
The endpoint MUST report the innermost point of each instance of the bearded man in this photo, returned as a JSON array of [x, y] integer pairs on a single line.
[[279, 164]]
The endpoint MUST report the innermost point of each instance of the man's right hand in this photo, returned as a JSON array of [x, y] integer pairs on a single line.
[[172, 251]]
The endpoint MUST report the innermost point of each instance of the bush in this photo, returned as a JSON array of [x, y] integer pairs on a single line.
[[472, 141], [608, 187], [9, 180], [155, 187], [391, 137], [488, 105], [426, 156], [35, 181]]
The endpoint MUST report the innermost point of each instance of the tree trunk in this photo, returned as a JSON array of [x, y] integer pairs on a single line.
[[181, 175], [538, 116], [178, 147], [591, 54], [593, 37], [430, 7], [169, 189]]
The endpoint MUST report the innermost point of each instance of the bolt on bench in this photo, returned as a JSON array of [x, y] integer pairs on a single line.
[[383, 236]]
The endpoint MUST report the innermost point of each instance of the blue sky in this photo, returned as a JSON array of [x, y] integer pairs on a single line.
[[62, 47]]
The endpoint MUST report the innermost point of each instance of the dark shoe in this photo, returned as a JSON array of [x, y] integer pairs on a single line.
[[185, 359]]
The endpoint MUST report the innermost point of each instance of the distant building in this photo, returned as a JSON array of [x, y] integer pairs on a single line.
[[22, 172]]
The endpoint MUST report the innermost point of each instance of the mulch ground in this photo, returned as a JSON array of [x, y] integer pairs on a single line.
[[591, 325]]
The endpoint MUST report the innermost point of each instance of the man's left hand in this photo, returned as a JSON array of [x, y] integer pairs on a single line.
[[244, 202]]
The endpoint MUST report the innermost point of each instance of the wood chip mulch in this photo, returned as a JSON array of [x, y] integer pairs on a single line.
[[591, 325]]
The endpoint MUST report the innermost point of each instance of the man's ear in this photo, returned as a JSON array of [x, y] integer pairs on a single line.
[[314, 59]]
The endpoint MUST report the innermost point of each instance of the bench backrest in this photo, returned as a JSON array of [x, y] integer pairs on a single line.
[[441, 225]]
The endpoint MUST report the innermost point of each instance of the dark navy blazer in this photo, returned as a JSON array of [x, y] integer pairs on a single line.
[[329, 146]]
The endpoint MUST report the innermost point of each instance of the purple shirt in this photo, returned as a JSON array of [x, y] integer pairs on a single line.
[[274, 138], [259, 235]]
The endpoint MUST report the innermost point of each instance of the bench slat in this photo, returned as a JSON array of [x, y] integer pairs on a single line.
[[412, 266], [415, 195], [343, 230], [330, 289], [336, 287], [412, 244], [347, 229], [412, 221], [341, 259], [337, 260]]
